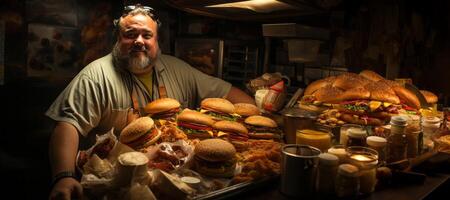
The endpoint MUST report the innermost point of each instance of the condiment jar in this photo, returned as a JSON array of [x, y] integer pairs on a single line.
[[366, 159], [356, 137], [397, 141], [343, 137], [340, 152], [378, 144], [347, 181], [328, 167]]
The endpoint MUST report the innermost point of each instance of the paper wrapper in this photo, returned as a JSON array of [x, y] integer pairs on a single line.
[[175, 161]]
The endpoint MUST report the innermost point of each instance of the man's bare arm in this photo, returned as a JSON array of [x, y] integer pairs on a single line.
[[235, 95]]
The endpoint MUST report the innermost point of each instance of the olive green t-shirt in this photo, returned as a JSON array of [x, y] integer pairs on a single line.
[[99, 97]]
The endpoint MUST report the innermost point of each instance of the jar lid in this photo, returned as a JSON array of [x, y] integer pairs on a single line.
[[348, 170], [328, 159], [297, 112], [398, 121], [356, 132], [431, 120], [376, 141]]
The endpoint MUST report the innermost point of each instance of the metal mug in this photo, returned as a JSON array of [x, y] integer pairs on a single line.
[[295, 119], [299, 170]]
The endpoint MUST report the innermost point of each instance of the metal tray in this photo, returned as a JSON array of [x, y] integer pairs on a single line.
[[233, 190]]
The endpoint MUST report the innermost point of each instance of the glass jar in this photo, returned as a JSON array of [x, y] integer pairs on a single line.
[[340, 152], [430, 125], [356, 137], [347, 181], [366, 159], [378, 144], [397, 141], [320, 139], [343, 138], [328, 167]]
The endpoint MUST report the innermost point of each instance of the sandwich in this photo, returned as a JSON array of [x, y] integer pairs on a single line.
[[215, 158], [371, 75], [260, 127], [140, 133], [347, 80], [218, 109], [165, 108], [430, 97], [195, 124], [317, 84], [236, 133], [320, 100]]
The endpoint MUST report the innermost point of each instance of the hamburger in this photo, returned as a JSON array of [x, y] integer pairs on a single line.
[[347, 80], [140, 133], [165, 108], [236, 133], [195, 124], [215, 158], [246, 109], [218, 109], [260, 127]]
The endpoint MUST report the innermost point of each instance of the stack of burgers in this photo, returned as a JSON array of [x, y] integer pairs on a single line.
[[219, 109], [365, 98]]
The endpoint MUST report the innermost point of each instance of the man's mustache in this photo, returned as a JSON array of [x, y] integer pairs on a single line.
[[138, 48]]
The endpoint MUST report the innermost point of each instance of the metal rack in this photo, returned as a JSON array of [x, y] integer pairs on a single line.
[[240, 63]]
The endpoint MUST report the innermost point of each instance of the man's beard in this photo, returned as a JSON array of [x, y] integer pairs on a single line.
[[135, 64]]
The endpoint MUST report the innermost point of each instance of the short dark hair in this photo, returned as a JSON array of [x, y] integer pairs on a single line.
[[133, 10]]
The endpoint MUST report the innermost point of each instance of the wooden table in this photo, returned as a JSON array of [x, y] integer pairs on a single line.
[[433, 183]]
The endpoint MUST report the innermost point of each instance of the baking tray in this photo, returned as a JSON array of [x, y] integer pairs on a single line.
[[236, 189]]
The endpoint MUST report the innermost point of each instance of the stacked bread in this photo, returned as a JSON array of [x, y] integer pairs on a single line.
[[365, 98]]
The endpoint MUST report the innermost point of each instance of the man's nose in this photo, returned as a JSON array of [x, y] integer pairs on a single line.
[[139, 40]]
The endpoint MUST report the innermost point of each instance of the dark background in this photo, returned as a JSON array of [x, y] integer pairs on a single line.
[[25, 131]]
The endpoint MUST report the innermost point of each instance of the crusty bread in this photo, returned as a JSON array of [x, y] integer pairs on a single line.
[[215, 150], [354, 94], [246, 109], [380, 91], [192, 116], [258, 120], [161, 105], [429, 96], [217, 104], [328, 94], [408, 97], [136, 129], [371, 75], [346, 81], [230, 126], [317, 84]]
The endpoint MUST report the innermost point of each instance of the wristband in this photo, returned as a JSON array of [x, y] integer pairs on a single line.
[[63, 174]]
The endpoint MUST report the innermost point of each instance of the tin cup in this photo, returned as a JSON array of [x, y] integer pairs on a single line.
[[299, 170]]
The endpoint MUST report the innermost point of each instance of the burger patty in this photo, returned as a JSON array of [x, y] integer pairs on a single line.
[[215, 165], [140, 141], [262, 129], [166, 114]]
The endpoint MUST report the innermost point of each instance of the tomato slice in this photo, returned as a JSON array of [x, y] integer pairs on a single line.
[[195, 126]]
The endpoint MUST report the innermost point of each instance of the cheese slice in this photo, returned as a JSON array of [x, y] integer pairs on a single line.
[[386, 104], [211, 133], [220, 134], [235, 115], [203, 110], [373, 105]]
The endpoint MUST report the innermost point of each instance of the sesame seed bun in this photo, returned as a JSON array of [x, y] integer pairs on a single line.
[[217, 104], [408, 97], [230, 126], [315, 85], [328, 94], [161, 105], [215, 150], [346, 81], [246, 109], [192, 116], [260, 121], [133, 134], [381, 91], [429, 96], [371, 75], [354, 94]]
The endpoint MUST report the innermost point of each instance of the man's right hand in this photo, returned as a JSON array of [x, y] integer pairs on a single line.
[[66, 188]]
